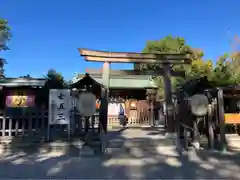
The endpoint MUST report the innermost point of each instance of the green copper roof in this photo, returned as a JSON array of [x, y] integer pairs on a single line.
[[133, 81], [129, 83]]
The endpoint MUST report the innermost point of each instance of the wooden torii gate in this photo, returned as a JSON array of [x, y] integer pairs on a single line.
[[166, 60]]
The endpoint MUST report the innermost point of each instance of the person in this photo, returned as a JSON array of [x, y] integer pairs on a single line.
[[122, 116]]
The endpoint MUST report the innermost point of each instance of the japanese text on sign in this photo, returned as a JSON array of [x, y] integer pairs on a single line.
[[59, 106], [20, 99]]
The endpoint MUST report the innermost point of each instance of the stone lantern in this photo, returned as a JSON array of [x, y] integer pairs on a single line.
[[151, 97]]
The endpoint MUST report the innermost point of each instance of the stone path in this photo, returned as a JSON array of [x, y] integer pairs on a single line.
[[136, 153]]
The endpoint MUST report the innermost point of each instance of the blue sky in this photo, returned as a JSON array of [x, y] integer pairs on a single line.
[[47, 33]]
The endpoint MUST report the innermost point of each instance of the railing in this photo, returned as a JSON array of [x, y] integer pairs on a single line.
[[35, 124], [26, 124]]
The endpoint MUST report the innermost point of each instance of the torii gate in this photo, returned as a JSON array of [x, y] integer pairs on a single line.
[[167, 60]]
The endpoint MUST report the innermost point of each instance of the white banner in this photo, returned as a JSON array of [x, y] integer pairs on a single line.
[[113, 109], [59, 106], [87, 104]]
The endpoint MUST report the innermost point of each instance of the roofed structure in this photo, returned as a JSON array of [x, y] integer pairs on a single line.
[[15, 82], [85, 80], [125, 82]]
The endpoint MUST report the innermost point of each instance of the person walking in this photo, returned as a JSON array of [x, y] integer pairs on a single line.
[[122, 116]]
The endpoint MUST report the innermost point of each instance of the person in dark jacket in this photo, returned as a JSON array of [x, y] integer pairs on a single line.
[[122, 116]]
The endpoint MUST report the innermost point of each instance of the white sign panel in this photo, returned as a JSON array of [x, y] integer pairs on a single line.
[[59, 106], [113, 109], [87, 104]]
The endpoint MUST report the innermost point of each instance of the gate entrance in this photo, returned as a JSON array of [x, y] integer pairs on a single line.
[[166, 60]]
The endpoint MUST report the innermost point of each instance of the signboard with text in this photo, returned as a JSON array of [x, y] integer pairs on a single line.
[[20, 99], [87, 104], [59, 106]]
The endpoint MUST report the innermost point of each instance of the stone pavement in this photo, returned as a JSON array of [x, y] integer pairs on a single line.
[[136, 153]]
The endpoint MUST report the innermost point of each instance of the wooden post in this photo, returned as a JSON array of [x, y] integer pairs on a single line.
[[181, 114], [221, 119], [86, 125], [30, 128], [168, 98], [17, 126], [42, 126], [152, 113], [104, 96], [179, 111], [185, 134], [151, 93], [10, 127], [23, 125], [210, 127], [92, 122], [103, 116], [4, 124]]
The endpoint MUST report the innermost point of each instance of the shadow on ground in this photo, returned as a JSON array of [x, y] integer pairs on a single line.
[[132, 153]]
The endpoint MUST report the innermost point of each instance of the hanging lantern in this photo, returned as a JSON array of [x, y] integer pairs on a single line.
[[133, 104]]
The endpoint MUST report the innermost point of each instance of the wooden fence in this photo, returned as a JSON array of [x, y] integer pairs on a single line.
[[34, 124], [25, 124]]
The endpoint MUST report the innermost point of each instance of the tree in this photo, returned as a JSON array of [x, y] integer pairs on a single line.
[[223, 73], [55, 80], [235, 66], [27, 76], [171, 44], [2, 63], [5, 36], [168, 44], [235, 58]]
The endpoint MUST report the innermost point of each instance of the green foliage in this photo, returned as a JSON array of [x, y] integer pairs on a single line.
[[235, 66], [168, 44], [171, 44], [226, 71], [2, 63], [27, 76], [5, 34], [222, 74], [54, 80]]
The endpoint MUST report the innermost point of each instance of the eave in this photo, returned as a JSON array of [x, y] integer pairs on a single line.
[[16, 82]]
